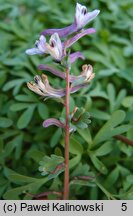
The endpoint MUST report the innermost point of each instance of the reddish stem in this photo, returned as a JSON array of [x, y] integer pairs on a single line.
[[124, 139], [66, 175]]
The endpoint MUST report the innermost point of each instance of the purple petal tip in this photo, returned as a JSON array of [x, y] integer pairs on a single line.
[[53, 121]]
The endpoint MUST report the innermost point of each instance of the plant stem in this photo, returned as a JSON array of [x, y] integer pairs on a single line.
[[124, 139], [66, 175]]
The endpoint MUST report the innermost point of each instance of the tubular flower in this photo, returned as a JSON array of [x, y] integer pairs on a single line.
[[55, 47], [55, 122], [87, 73], [82, 18], [43, 88]]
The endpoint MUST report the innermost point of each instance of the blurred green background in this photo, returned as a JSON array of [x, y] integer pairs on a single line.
[[94, 151]]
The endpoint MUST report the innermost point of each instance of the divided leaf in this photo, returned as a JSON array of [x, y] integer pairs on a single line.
[[109, 129], [52, 166]]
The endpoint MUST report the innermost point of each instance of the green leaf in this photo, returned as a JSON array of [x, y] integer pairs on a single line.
[[119, 99], [119, 59], [13, 83], [43, 110], [109, 129], [111, 96], [107, 72], [130, 179], [19, 106], [112, 178], [15, 143], [56, 137], [88, 183], [25, 98], [86, 135], [74, 161], [98, 164], [105, 149], [72, 104], [75, 147], [127, 74], [97, 92], [18, 178], [81, 170], [14, 194], [5, 122], [128, 101], [1, 145], [107, 193], [36, 155], [81, 118], [26, 117], [52, 166], [98, 114]]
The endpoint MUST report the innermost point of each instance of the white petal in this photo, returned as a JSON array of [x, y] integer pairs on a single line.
[[39, 82], [79, 7], [42, 44], [90, 16], [83, 18], [42, 38], [79, 16], [33, 51], [57, 40], [57, 49]]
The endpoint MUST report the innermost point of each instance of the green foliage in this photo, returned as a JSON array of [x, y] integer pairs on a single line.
[[81, 119], [52, 166], [110, 129], [100, 165]]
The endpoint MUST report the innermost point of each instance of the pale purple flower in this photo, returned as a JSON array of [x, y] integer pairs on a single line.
[[52, 70], [55, 47], [74, 56], [75, 38], [82, 18], [63, 32], [86, 75], [53, 121], [56, 122], [42, 87], [40, 47]]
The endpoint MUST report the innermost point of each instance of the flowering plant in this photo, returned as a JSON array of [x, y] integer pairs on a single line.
[[58, 49]]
